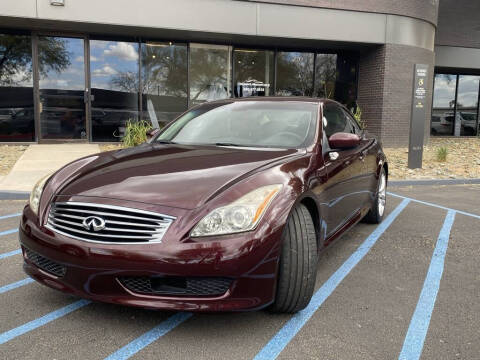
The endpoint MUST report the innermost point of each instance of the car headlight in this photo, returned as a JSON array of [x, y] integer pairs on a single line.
[[37, 193], [239, 216]]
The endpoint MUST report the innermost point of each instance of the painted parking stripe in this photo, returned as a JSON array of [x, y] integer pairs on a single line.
[[15, 285], [281, 339], [34, 324], [435, 205], [417, 331], [10, 253], [9, 216], [7, 232], [146, 339]]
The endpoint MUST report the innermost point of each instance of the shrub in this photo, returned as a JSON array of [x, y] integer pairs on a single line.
[[135, 132], [357, 114], [442, 154]]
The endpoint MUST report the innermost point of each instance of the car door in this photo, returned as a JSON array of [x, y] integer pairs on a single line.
[[344, 193], [368, 155]]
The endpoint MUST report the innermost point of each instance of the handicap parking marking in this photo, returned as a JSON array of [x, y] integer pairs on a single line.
[[10, 253], [34, 324], [15, 285], [417, 331], [8, 232], [435, 205], [9, 216], [150, 336], [281, 339]]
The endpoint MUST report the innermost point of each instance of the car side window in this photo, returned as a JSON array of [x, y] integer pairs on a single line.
[[353, 123], [336, 120]]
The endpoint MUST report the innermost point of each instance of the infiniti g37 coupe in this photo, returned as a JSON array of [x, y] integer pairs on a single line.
[[228, 207]]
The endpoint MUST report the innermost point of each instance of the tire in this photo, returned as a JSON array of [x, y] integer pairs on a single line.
[[298, 263], [375, 215]]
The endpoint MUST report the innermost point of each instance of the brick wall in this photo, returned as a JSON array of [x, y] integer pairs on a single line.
[[385, 91], [371, 77], [459, 23], [421, 9]]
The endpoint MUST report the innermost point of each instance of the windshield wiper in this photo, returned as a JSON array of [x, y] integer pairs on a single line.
[[227, 144], [165, 142]]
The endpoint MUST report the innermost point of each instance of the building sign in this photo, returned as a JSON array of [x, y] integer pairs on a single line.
[[417, 122], [252, 88]]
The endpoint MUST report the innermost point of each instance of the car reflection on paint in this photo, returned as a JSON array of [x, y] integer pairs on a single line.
[[227, 208]]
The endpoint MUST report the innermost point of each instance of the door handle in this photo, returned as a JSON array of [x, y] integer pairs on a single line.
[[333, 155]]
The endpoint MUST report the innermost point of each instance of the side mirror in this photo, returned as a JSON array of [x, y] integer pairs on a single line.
[[152, 133], [343, 140]]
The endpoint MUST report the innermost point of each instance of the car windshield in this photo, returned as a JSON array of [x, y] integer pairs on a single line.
[[278, 124]]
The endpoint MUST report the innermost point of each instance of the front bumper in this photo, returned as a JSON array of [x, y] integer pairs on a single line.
[[93, 270]]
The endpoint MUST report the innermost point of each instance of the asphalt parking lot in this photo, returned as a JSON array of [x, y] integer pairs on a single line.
[[405, 289]]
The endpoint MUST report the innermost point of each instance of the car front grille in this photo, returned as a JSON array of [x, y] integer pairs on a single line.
[[191, 286], [45, 264], [116, 224]]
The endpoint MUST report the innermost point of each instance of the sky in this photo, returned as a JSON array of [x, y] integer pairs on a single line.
[[107, 59]]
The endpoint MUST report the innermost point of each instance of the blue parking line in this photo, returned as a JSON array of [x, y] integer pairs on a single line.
[[34, 324], [9, 216], [281, 339], [10, 253], [146, 339], [417, 331], [7, 232], [15, 285], [435, 205]]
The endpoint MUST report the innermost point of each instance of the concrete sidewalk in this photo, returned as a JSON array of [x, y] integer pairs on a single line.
[[41, 159]]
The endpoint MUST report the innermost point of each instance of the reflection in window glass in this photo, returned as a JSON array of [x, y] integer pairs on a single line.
[[254, 72], [346, 81], [467, 104], [325, 75], [210, 73], [443, 111], [16, 91], [114, 82], [294, 74], [62, 86], [164, 81]]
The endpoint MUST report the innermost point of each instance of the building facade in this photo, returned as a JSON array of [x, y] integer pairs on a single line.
[[78, 70]]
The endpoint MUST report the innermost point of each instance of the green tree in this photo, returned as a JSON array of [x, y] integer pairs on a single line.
[[16, 58]]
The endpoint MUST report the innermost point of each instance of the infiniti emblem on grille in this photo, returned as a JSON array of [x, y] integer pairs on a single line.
[[94, 223]]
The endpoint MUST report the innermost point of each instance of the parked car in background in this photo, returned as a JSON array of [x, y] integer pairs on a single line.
[[227, 208]]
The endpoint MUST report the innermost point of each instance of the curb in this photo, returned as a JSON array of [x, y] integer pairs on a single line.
[[434, 182], [14, 195]]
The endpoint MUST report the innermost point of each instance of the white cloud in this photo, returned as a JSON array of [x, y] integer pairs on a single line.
[[54, 83], [106, 70], [122, 50]]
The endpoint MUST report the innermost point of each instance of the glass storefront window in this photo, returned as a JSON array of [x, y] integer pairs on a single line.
[[455, 105], [443, 110], [62, 87], [346, 82], [325, 75], [16, 88], [254, 72], [467, 104], [115, 85], [294, 74], [164, 81], [210, 73]]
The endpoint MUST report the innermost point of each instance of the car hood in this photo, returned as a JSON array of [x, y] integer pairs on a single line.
[[170, 175]]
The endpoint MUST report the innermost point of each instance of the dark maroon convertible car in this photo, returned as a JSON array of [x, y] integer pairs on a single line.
[[228, 207]]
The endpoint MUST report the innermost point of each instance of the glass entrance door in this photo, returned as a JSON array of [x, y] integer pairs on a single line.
[[61, 73]]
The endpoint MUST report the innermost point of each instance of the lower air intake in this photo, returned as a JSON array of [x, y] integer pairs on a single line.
[[194, 286], [45, 264]]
